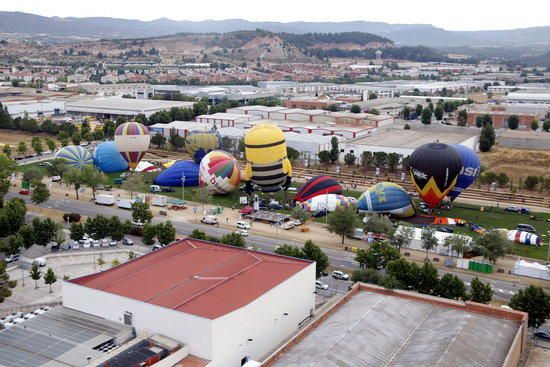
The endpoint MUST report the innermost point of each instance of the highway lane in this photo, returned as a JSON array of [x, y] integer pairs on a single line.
[[337, 258]]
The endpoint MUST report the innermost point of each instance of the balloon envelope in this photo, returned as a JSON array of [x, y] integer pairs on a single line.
[[471, 167], [386, 197], [75, 155], [132, 140], [523, 237], [327, 202], [434, 169], [318, 185], [108, 159], [200, 143], [219, 172], [173, 175]]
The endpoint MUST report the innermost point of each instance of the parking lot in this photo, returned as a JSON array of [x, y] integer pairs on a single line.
[[336, 288]]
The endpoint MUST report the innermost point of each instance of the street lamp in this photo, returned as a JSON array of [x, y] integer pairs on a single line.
[[183, 187], [548, 253]]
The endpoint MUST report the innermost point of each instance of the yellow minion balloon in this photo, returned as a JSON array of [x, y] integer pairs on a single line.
[[267, 165]]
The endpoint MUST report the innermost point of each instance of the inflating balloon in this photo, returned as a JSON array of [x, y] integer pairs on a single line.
[[326, 202], [75, 155], [471, 167], [132, 140], [219, 172], [267, 164], [108, 159], [318, 185], [200, 143], [386, 197], [434, 171], [181, 172]]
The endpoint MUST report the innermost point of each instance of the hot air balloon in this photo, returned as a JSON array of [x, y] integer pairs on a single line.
[[471, 167], [173, 176], [328, 202], [526, 238], [75, 155], [219, 172], [108, 159], [132, 140], [267, 165], [434, 171], [199, 143], [386, 197], [318, 185]]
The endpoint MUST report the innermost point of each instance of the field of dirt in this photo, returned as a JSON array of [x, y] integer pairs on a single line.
[[517, 163], [14, 137]]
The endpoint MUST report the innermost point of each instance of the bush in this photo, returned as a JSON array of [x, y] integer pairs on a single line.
[[136, 231], [71, 217]]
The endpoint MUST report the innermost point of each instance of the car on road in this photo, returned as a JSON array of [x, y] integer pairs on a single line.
[[209, 219], [11, 258], [48, 152], [127, 241], [40, 261], [242, 232], [337, 274], [167, 189], [113, 243], [320, 285], [289, 225], [156, 246], [243, 224], [543, 334]]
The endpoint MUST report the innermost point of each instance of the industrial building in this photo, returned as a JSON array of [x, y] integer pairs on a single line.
[[113, 107], [221, 119], [373, 326], [227, 304], [500, 115], [34, 108]]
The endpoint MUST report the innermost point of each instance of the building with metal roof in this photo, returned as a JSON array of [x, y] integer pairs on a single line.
[[113, 107], [228, 304], [372, 326]]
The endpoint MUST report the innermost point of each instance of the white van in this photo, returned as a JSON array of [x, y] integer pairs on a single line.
[[243, 224], [40, 261], [209, 219], [155, 188]]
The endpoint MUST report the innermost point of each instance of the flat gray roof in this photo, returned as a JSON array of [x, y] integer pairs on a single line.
[[410, 139], [59, 337], [372, 329], [122, 106]]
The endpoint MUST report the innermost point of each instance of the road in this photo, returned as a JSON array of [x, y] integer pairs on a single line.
[[337, 258]]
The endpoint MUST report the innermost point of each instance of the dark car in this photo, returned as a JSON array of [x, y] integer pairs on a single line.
[[167, 189], [55, 247], [320, 213], [445, 229], [543, 334]]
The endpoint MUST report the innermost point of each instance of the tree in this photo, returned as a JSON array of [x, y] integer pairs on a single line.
[[58, 167], [115, 262], [334, 153], [378, 224], [51, 144], [462, 118], [98, 226], [438, 113], [534, 125], [546, 125], [380, 159], [44, 231], [203, 196], [456, 243], [300, 214], [77, 231], [36, 144], [314, 253], [513, 122], [393, 161], [141, 212], [403, 237], [33, 175], [76, 138], [493, 245], [366, 275], [535, 301], [451, 287], [377, 256], [117, 229], [21, 148], [486, 119], [73, 177], [40, 193], [429, 241], [50, 278], [406, 112], [292, 154], [12, 245], [480, 292], [7, 167], [6, 284], [6, 149], [324, 156], [355, 108], [148, 234], [133, 184], [198, 235], [406, 127], [487, 138], [158, 139], [419, 109], [342, 221], [93, 178], [502, 179], [35, 274], [366, 159], [405, 272], [426, 117], [27, 233], [531, 182], [12, 217], [428, 279], [100, 262], [166, 233], [233, 239], [349, 159]]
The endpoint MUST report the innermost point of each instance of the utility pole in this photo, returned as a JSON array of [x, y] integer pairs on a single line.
[[183, 187]]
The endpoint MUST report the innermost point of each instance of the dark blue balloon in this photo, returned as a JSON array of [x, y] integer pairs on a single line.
[[172, 176], [471, 167], [108, 159]]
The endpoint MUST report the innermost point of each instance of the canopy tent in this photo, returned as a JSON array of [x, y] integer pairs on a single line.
[[532, 269]]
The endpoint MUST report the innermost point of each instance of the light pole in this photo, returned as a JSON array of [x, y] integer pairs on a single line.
[[548, 253], [183, 187]]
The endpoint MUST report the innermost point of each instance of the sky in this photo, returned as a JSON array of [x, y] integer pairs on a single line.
[[460, 15]]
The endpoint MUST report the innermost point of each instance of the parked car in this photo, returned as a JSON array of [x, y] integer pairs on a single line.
[[154, 188], [95, 243], [137, 223], [526, 228], [65, 246], [156, 246], [85, 243], [124, 176], [167, 189], [247, 210], [319, 213], [321, 285], [289, 225], [243, 224], [445, 229], [55, 247], [113, 243], [75, 245], [84, 144], [209, 219], [104, 242], [24, 192], [56, 178], [543, 334], [127, 241], [337, 274], [242, 232], [48, 152], [40, 261], [11, 258], [512, 209]]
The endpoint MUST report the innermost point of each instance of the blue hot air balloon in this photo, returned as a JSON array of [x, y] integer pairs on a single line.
[[108, 159], [471, 167], [172, 176], [386, 197]]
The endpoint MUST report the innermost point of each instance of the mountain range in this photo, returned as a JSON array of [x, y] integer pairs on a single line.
[[401, 34]]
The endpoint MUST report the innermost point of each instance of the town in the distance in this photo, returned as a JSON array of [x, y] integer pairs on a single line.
[[238, 193]]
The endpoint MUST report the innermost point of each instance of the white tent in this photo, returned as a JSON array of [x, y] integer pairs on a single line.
[[533, 270], [416, 243], [145, 166]]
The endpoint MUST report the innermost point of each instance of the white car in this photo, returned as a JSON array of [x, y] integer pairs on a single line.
[[40, 261], [18, 320], [137, 223], [11, 258], [104, 242], [127, 241], [95, 243], [86, 244], [75, 245], [7, 325], [243, 224], [30, 315], [242, 232], [321, 285], [337, 274], [209, 219], [48, 152]]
